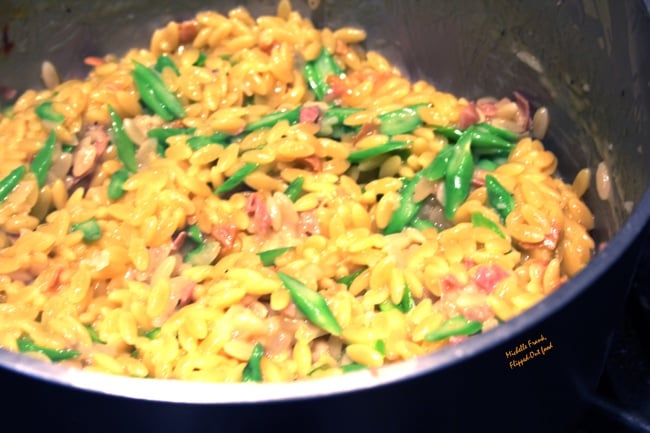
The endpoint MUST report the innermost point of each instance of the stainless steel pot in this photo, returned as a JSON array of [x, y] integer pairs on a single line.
[[587, 61]]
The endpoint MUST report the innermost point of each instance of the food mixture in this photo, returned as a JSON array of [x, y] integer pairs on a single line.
[[255, 199]]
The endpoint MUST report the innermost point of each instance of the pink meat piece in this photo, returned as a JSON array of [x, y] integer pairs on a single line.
[[309, 114], [469, 116], [523, 117]]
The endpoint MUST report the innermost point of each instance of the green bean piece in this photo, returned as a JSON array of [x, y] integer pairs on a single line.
[[485, 142], [407, 209], [26, 344], [115, 189], [451, 132], [317, 71], [294, 188], [483, 139], [94, 336], [271, 119], [42, 161], [152, 333], [164, 61], [401, 121], [90, 228], [499, 132], [195, 234], [200, 61], [311, 304], [337, 115], [67, 148], [332, 123], [155, 93], [458, 179], [162, 134], [455, 326], [46, 112], [421, 224], [486, 164], [354, 366], [125, 146], [380, 346], [314, 82], [348, 279], [150, 99], [238, 177], [268, 257], [498, 197], [9, 182], [199, 141], [361, 155], [438, 167], [480, 220], [407, 303], [252, 371]]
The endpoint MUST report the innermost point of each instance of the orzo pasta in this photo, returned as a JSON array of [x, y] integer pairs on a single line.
[[256, 199]]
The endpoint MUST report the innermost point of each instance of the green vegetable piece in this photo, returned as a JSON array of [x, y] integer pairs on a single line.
[[90, 228], [317, 71], [337, 115], [271, 119], [361, 155], [354, 366], [421, 224], [451, 132], [268, 257], [311, 304], [486, 164], [238, 177], [67, 148], [458, 178], [162, 134], [455, 326], [195, 234], [400, 121], [479, 220], [408, 208], [407, 303], [115, 189], [499, 132], [46, 112], [152, 333], [125, 147], [201, 60], [94, 336], [155, 94], [380, 347], [26, 344], [438, 167], [164, 61], [484, 142], [498, 197], [42, 161], [483, 139], [294, 188], [9, 182], [348, 279], [199, 141], [252, 371]]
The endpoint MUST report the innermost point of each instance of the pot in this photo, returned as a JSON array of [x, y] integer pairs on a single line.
[[584, 60]]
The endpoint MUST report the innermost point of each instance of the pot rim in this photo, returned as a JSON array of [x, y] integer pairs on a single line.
[[177, 391]]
